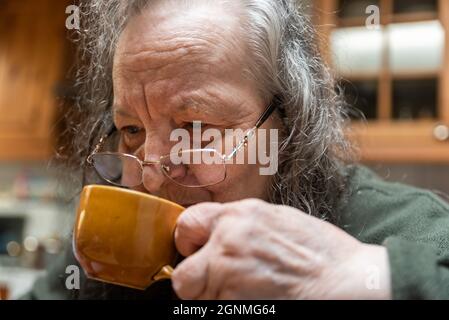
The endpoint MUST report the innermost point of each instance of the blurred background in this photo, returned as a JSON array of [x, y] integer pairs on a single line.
[[396, 74]]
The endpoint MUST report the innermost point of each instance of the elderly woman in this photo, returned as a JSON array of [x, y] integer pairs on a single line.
[[320, 227]]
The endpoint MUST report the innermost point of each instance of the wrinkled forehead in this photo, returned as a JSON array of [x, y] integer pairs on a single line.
[[168, 51], [170, 32]]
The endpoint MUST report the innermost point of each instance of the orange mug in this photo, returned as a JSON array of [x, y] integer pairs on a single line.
[[125, 237]]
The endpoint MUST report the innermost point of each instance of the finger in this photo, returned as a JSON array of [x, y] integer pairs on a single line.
[[189, 279], [195, 225]]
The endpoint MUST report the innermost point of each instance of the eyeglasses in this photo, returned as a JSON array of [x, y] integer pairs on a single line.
[[126, 170]]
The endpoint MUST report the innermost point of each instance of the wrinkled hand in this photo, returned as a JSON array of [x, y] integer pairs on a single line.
[[251, 249]]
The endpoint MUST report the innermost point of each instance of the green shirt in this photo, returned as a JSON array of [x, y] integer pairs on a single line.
[[412, 223]]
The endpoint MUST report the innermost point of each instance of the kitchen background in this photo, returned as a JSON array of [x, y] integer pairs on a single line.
[[396, 74]]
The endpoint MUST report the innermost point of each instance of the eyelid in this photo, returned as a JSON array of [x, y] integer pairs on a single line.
[[120, 125], [123, 121], [133, 140], [125, 129]]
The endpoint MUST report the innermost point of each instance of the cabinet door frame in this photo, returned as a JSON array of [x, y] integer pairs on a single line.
[[36, 46], [384, 139]]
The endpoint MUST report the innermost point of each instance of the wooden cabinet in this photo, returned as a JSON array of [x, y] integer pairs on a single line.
[[32, 52], [406, 108]]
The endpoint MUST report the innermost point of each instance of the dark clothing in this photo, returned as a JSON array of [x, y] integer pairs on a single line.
[[413, 224]]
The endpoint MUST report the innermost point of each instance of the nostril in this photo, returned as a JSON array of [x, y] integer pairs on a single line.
[[175, 172], [153, 178]]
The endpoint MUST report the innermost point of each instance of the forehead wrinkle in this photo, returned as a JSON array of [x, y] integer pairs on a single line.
[[184, 48], [159, 37], [209, 103], [177, 53], [151, 57]]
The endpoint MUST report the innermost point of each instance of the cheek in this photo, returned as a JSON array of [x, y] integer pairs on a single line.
[[243, 181]]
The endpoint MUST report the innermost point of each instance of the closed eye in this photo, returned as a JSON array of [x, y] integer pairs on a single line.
[[132, 137], [131, 130]]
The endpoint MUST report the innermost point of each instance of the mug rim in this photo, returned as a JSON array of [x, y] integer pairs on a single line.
[[135, 193]]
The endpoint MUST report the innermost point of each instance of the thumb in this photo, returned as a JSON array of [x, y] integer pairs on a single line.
[[195, 225], [190, 277]]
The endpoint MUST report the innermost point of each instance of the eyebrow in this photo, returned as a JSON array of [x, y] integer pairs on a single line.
[[212, 106]]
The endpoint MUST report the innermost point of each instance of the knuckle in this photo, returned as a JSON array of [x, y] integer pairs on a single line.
[[232, 233], [183, 220], [227, 232], [254, 203], [188, 220]]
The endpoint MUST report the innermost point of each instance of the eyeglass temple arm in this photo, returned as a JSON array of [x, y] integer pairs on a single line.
[[267, 113], [250, 133], [97, 147]]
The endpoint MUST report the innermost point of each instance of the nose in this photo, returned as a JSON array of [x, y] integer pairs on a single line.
[[153, 178]]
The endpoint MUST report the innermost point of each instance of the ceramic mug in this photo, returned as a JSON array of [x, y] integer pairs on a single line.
[[125, 237]]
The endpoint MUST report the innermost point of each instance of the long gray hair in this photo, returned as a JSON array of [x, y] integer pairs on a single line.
[[288, 66]]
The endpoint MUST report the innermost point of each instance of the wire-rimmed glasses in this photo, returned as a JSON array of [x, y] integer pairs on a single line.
[[126, 170]]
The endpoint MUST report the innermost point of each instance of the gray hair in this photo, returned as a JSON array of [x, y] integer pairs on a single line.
[[288, 66]]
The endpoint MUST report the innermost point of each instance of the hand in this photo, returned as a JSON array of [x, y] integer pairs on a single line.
[[251, 249]]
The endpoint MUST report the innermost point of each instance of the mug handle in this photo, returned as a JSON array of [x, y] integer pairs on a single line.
[[164, 273]]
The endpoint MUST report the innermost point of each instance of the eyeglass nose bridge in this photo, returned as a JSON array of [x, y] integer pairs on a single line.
[[146, 163]]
